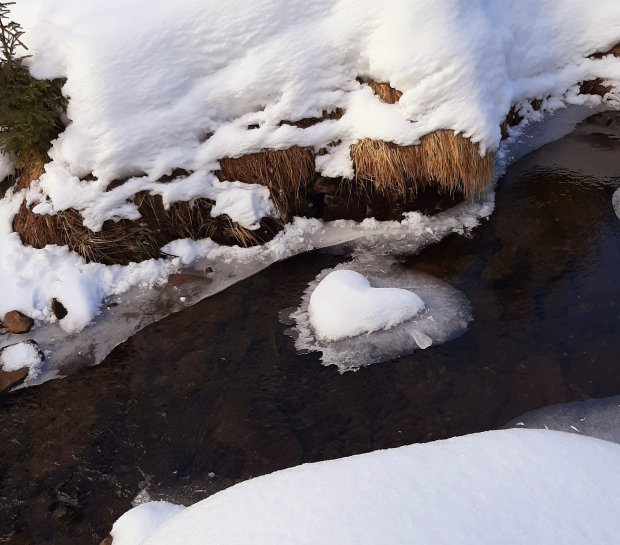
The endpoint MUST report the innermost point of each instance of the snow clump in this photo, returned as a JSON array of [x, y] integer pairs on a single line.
[[20, 356], [344, 304]]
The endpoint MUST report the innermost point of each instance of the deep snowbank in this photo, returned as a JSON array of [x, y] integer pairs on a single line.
[[156, 86], [511, 487]]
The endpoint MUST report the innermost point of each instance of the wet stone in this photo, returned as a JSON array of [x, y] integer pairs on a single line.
[[16, 322], [8, 379]]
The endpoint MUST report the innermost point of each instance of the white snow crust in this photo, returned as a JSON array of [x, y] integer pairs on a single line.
[[155, 86], [345, 305], [245, 204], [514, 487], [141, 521], [20, 356]]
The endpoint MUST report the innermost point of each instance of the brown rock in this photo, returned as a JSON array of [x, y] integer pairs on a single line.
[[180, 279], [16, 322], [12, 378]]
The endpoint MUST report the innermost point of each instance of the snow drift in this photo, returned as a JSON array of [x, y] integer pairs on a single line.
[[159, 86], [512, 487]]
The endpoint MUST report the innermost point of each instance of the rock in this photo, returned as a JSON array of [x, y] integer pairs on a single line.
[[16, 322], [58, 309], [180, 279], [9, 379], [107, 541]]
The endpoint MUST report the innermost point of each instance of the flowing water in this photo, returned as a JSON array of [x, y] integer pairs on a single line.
[[217, 393]]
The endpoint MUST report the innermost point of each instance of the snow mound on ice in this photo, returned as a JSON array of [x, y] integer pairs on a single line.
[[155, 86], [20, 356], [510, 486], [420, 311], [141, 521], [345, 305]]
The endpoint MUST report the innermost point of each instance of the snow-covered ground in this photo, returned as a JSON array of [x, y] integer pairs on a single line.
[[514, 487]]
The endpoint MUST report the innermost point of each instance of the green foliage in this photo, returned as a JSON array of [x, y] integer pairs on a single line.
[[30, 108]]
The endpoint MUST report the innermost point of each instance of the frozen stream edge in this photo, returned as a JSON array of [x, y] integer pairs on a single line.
[[124, 315]]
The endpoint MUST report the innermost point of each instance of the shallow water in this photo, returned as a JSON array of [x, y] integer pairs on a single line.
[[217, 393]]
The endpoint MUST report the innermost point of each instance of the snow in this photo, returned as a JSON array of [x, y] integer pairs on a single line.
[[140, 296], [155, 86], [513, 487], [428, 311], [20, 356], [141, 521], [345, 305], [31, 278], [245, 204], [6, 166]]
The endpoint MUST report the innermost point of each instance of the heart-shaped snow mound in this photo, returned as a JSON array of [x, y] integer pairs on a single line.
[[345, 305]]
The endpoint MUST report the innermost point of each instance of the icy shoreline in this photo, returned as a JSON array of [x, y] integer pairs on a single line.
[[135, 307]]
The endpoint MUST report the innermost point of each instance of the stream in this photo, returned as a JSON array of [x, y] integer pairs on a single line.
[[217, 393]]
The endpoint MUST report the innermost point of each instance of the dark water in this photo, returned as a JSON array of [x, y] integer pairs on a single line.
[[216, 394]]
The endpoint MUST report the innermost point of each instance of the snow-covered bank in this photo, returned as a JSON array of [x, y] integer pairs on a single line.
[[511, 486], [156, 86], [136, 304]]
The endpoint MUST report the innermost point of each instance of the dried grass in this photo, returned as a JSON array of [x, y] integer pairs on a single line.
[[443, 158], [448, 160], [128, 241], [595, 86], [287, 173], [384, 91]]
